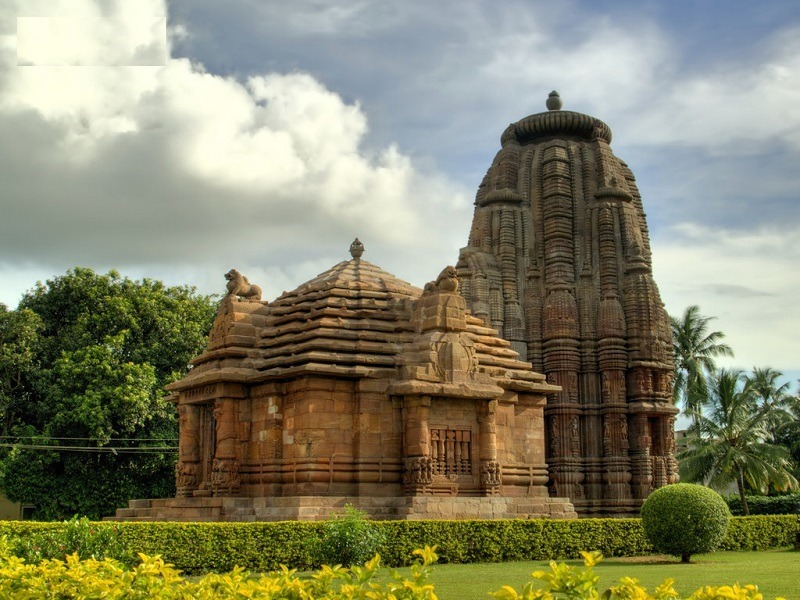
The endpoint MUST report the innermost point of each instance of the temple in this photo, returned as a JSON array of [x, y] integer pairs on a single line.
[[558, 262], [357, 388], [531, 380]]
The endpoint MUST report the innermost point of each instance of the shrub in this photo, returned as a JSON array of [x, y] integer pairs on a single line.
[[153, 578], [264, 546], [348, 539], [77, 536], [684, 519], [787, 504]]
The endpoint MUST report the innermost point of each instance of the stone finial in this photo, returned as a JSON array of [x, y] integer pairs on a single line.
[[356, 249], [239, 286], [554, 101]]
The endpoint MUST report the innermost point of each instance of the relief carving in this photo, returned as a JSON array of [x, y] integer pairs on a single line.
[[225, 476], [185, 478], [490, 473], [419, 471], [575, 436]]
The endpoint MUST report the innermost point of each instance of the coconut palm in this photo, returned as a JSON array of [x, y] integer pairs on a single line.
[[773, 399], [728, 441], [695, 348]]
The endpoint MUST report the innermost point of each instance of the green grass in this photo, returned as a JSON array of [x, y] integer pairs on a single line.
[[775, 572]]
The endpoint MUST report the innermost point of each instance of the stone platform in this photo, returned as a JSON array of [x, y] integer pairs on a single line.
[[320, 508]]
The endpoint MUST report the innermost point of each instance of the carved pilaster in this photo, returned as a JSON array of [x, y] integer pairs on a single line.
[[225, 468], [187, 467]]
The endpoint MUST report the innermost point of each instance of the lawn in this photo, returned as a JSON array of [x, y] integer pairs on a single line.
[[775, 572]]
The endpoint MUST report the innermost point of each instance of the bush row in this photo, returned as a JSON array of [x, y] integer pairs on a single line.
[[261, 547], [788, 504], [152, 578]]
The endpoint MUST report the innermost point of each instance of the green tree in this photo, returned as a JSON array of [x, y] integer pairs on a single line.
[[729, 441], [89, 423], [773, 398], [695, 349], [19, 331], [683, 519]]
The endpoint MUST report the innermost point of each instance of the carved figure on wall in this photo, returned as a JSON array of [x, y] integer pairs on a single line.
[[419, 471], [575, 436], [553, 437], [490, 473], [225, 475], [239, 286], [185, 478]]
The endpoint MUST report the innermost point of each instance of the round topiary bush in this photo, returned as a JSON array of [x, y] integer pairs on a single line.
[[684, 519]]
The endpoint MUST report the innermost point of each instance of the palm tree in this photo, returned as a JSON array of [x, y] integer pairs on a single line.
[[694, 350], [729, 441], [774, 400]]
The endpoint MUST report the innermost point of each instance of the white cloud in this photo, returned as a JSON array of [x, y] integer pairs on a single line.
[[91, 41], [136, 166], [731, 108], [746, 279]]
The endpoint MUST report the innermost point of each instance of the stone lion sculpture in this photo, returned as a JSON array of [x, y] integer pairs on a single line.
[[446, 282], [238, 286]]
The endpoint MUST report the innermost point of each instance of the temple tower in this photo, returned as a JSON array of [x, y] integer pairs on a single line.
[[558, 262]]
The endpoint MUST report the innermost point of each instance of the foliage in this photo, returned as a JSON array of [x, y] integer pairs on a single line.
[[203, 547], [761, 532], [773, 400], [785, 504], [348, 539], [683, 519], [19, 331], [155, 578], [564, 581], [694, 350], [729, 442], [84, 413], [78, 536]]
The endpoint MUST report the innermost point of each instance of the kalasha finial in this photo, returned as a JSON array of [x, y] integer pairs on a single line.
[[554, 101], [356, 249]]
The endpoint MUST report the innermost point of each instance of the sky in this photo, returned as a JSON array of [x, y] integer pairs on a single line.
[[176, 140]]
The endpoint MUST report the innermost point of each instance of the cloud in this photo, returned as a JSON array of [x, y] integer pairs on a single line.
[[136, 166], [745, 279]]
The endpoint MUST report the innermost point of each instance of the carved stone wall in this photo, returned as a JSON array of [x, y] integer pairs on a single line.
[[558, 261]]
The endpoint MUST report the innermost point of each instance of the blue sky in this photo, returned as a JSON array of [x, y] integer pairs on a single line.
[[179, 140]]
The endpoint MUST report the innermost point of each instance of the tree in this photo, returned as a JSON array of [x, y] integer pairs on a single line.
[[683, 519], [19, 330], [728, 441], [695, 349], [87, 419], [773, 399]]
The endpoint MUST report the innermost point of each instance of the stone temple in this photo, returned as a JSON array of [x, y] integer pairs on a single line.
[[531, 380], [558, 263]]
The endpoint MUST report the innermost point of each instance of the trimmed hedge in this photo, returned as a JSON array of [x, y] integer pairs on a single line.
[[261, 547], [788, 504]]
